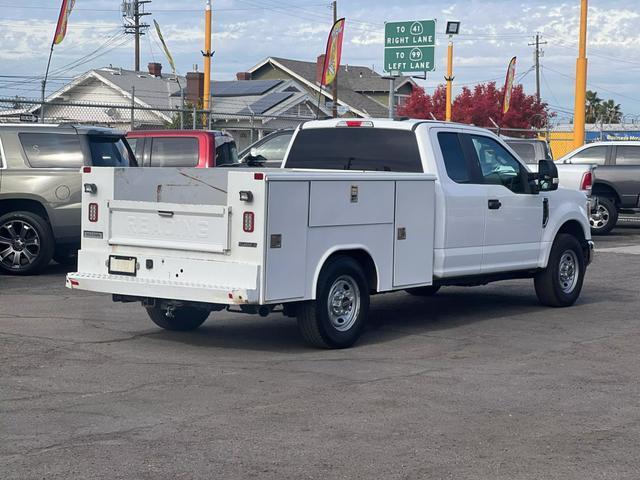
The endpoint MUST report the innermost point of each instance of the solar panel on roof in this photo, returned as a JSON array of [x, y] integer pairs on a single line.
[[240, 88], [266, 103]]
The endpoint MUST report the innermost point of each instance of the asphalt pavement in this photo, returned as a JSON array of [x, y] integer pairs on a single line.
[[475, 383]]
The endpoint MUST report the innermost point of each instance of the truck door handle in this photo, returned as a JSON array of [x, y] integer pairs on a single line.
[[494, 204]]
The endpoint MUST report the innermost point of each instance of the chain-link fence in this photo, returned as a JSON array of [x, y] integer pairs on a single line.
[[246, 127]]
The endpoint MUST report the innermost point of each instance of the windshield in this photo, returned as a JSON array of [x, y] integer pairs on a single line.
[[356, 149], [107, 151]]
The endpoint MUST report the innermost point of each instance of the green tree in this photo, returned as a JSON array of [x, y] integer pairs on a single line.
[[598, 110], [187, 118], [610, 112], [593, 106]]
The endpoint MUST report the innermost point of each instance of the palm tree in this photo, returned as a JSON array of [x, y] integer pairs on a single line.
[[593, 106], [610, 112]]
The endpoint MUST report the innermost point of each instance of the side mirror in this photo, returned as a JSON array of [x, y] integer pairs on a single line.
[[547, 176]]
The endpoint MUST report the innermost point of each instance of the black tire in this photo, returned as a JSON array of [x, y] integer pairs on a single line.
[[320, 325], [423, 291], [182, 319], [554, 289], [26, 243], [605, 218]]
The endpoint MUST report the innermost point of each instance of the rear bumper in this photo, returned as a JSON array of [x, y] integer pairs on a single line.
[[170, 290]]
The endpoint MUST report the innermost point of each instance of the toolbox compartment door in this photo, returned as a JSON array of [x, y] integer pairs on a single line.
[[414, 233]]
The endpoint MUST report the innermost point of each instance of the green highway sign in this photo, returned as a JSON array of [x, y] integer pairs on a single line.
[[409, 46]]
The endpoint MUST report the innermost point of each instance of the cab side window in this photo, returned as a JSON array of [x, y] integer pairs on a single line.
[[627, 155], [455, 161], [596, 155], [498, 166]]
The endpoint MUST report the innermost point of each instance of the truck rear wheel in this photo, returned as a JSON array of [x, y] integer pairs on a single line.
[[605, 217], [26, 243], [337, 317], [559, 284], [181, 319]]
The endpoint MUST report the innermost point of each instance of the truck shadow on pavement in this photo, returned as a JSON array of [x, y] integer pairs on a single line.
[[391, 316]]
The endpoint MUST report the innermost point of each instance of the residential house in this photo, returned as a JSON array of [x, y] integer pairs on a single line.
[[362, 92], [246, 108]]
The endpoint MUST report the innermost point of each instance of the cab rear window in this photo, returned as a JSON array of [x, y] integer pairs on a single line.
[[107, 151], [362, 148]]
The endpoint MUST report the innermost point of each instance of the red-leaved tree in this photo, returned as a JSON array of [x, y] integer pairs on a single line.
[[478, 106]]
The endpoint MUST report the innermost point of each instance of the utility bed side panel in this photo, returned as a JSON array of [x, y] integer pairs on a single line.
[[286, 240], [414, 234], [350, 202]]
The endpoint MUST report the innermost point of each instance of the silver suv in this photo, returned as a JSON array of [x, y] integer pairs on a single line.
[[40, 189]]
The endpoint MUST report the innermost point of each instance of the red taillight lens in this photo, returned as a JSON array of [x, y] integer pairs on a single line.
[[258, 176], [93, 212], [247, 222], [86, 169], [587, 181]]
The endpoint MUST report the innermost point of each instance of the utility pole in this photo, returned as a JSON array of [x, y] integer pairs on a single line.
[[581, 80], [207, 54], [133, 13], [335, 80], [537, 55]]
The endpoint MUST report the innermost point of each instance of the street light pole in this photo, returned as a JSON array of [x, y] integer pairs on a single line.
[[581, 80], [207, 54], [449, 78]]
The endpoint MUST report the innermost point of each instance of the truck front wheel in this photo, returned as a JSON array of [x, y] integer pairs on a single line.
[[559, 284], [336, 318], [180, 319]]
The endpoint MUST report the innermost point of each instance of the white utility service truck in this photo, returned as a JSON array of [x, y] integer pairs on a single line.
[[364, 207]]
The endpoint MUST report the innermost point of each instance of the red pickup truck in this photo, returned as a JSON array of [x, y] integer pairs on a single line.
[[183, 148]]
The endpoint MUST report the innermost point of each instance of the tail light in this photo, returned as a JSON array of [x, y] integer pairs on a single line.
[[247, 222], [86, 169], [93, 212], [587, 181]]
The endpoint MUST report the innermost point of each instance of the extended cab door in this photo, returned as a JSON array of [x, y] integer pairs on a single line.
[[514, 214], [460, 215]]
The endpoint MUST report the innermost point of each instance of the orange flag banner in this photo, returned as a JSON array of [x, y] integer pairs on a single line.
[[61, 28]]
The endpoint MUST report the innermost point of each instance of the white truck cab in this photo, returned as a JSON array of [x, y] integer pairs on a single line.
[[362, 207]]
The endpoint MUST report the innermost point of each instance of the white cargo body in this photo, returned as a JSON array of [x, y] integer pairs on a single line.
[[363, 207], [177, 234]]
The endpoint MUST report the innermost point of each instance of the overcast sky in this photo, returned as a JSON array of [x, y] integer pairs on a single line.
[[247, 31]]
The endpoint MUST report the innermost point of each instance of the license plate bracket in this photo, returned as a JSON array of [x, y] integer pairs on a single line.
[[119, 265]]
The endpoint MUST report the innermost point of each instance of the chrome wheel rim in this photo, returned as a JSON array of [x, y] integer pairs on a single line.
[[343, 303], [568, 271], [19, 244], [600, 218]]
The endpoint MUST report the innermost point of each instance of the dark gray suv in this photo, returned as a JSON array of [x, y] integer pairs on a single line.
[[40, 189]]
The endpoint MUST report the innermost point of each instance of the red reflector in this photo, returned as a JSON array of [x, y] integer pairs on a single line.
[[258, 176], [230, 295], [86, 169], [247, 222], [93, 212], [587, 181], [74, 283]]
